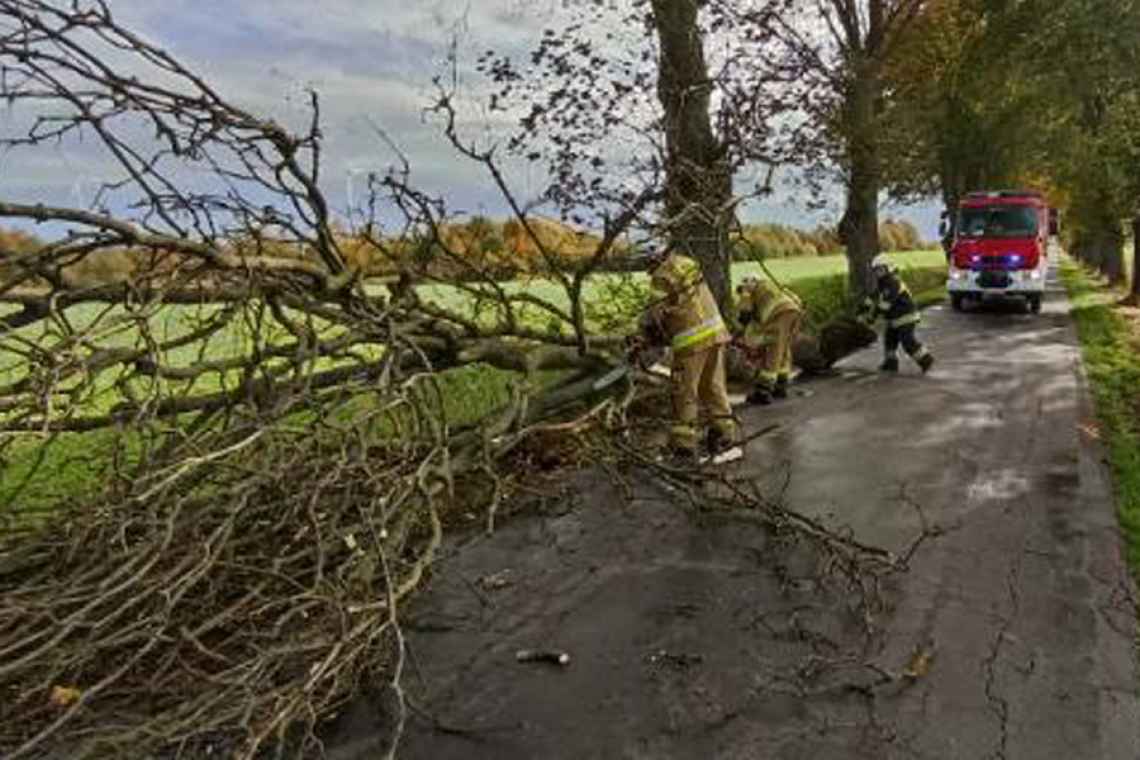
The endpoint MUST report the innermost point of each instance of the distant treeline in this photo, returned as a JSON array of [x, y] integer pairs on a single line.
[[510, 250], [777, 241], [479, 247]]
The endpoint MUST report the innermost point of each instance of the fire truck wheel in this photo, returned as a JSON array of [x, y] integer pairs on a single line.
[[956, 301], [1035, 304]]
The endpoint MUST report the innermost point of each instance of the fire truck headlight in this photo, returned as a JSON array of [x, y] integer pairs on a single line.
[[1035, 274]]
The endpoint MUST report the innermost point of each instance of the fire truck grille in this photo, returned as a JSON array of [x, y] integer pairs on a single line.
[[994, 279]]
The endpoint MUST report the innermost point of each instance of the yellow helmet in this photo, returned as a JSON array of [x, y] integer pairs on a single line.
[[751, 282]]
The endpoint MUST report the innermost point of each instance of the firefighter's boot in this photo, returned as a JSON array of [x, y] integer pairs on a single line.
[[781, 388], [762, 388], [890, 364], [925, 362], [681, 456], [760, 395], [717, 442]]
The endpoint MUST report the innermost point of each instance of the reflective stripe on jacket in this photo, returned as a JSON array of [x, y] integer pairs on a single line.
[[687, 310], [893, 302], [908, 319]]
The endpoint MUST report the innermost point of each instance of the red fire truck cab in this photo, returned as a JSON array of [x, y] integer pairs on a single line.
[[998, 246]]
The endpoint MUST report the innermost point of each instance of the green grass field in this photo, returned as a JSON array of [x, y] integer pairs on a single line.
[[820, 266], [603, 290], [38, 472]]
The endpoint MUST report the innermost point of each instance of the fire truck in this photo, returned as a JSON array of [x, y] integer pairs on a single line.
[[997, 245]]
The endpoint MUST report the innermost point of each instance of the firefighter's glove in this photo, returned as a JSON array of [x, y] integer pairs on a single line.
[[866, 312]]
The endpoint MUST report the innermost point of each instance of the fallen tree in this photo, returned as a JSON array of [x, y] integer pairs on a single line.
[[277, 451], [274, 448]]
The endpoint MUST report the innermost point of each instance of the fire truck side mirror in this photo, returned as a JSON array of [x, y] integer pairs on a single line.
[[1054, 221]]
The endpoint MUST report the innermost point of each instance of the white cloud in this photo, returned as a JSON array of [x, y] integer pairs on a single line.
[[372, 62]]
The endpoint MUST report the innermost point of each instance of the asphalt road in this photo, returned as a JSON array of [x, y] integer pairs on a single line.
[[1026, 595], [711, 640]]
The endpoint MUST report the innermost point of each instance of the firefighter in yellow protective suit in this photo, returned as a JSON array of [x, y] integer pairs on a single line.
[[770, 319], [685, 317]]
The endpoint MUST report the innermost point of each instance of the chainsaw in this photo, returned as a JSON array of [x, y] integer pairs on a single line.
[[635, 359]]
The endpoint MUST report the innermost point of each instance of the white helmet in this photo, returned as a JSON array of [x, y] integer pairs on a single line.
[[880, 265]]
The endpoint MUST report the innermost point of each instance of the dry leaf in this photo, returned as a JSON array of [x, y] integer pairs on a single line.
[[63, 696], [498, 580], [919, 664]]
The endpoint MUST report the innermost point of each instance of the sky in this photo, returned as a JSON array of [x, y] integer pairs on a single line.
[[372, 62]]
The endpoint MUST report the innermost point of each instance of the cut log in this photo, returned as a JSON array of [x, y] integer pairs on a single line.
[[812, 353]]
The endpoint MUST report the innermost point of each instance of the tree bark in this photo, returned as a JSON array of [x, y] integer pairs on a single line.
[[860, 226], [1135, 289], [1114, 256], [698, 179], [1106, 239]]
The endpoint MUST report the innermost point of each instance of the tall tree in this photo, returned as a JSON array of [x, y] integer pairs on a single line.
[[1089, 53], [1032, 93], [843, 49], [964, 100], [698, 186], [637, 97]]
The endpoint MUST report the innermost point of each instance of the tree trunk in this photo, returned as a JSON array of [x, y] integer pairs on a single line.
[[860, 226], [698, 180], [1107, 238], [951, 170], [1135, 290], [1114, 256], [1085, 249]]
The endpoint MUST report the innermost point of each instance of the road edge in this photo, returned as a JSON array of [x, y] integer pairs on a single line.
[[1118, 603]]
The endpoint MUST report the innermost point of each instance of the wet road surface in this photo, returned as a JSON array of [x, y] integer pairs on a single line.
[[696, 640], [1026, 596]]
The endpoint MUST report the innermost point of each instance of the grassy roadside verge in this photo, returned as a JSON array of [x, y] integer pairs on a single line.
[[933, 294], [826, 296], [1110, 344]]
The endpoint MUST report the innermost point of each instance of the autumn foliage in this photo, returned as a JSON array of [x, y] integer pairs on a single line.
[[500, 249]]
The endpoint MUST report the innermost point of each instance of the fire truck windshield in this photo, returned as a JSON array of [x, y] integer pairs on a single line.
[[998, 221]]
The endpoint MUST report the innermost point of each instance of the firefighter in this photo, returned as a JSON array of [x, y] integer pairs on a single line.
[[946, 233], [685, 317], [893, 302], [770, 319]]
